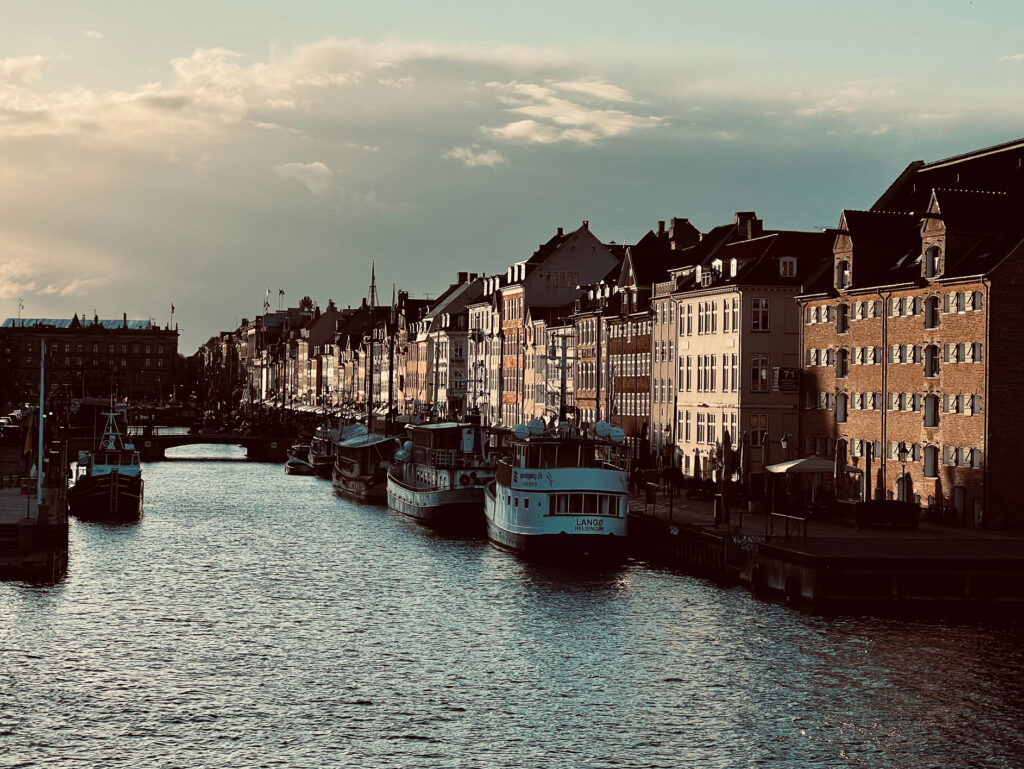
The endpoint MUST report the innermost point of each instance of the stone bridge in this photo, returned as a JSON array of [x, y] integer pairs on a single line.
[[153, 443]]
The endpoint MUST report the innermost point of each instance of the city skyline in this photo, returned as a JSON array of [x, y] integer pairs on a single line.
[[198, 156]]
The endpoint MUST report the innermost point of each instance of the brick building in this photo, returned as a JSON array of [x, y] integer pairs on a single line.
[[134, 359], [899, 354]]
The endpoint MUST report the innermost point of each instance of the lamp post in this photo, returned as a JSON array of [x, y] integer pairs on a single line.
[[784, 443], [901, 449]]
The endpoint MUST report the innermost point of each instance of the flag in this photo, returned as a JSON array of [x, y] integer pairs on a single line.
[[172, 309], [280, 292]]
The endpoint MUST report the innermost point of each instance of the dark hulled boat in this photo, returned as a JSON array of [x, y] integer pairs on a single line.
[[361, 467], [109, 486]]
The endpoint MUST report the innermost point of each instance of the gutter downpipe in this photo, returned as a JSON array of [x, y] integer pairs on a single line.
[[985, 436], [884, 406]]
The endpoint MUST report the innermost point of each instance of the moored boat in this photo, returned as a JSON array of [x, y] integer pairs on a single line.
[[440, 475], [109, 485], [361, 466], [560, 496]]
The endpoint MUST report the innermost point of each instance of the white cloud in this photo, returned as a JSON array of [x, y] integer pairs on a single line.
[[1013, 57], [93, 33], [20, 70], [475, 158], [398, 82], [595, 88], [73, 288], [553, 118], [316, 175]]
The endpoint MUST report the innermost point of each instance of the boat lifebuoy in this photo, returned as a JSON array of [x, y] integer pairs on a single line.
[[464, 479]]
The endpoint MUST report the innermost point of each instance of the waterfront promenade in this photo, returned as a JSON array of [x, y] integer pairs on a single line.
[[832, 564]]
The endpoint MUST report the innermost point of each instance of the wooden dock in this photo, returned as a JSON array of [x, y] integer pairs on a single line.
[[832, 566]]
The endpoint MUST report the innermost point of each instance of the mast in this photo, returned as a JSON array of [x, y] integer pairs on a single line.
[[39, 449], [392, 331], [369, 357]]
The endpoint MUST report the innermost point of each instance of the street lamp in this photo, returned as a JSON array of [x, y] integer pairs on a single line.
[[901, 449], [784, 443]]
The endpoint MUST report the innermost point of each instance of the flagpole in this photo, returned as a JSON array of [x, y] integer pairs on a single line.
[[39, 450]]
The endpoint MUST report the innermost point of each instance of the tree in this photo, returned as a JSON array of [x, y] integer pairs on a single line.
[[306, 304]]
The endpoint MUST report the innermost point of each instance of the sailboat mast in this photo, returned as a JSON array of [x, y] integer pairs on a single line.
[[369, 359]]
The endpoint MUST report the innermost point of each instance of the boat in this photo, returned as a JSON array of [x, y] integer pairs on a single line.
[[109, 485], [321, 451], [560, 495], [324, 447], [361, 466], [440, 475], [298, 466]]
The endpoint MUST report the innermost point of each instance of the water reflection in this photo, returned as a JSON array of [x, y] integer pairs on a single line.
[[252, 618]]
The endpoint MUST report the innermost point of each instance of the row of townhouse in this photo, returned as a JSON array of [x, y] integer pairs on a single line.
[[873, 338]]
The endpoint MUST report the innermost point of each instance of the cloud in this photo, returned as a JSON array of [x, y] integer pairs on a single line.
[[596, 88], [20, 70], [70, 289], [551, 117], [316, 175], [1012, 57], [93, 33], [398, 82], [472, 158]]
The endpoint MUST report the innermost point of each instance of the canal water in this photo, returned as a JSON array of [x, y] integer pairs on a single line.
[[255, 619]]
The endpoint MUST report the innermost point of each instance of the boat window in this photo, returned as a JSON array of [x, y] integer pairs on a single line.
[[605, 507], [517, 502], [590, 504], [533, 455], [561, 505], [576, 503], [549, 455], [526, 501]]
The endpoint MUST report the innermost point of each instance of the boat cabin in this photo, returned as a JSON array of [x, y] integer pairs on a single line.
[[365, 455], [550, 453], [445, 444]]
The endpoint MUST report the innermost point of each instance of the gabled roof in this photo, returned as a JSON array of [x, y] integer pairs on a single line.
[[999, 168], [885, 246]]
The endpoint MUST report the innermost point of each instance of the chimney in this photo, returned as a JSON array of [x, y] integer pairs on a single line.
[[462, 277], [124, 318], [661, 227], [749, 225], [560, 232], [586, 224]]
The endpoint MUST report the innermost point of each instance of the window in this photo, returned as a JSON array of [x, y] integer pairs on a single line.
[[931, 360], [759, 314], [843, 319], [841, 403], [759, 429], [931, 312], [842, 363], [787, 267], [700, 427], [931, 461], [843, 274], [759, 373], [931, 262]]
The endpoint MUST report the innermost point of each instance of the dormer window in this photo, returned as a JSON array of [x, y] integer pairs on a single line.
[[734, 267], [843, 274], [931, 262], [716, 266], [787, 267]]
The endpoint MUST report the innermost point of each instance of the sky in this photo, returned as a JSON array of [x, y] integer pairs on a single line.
[[201, 153]]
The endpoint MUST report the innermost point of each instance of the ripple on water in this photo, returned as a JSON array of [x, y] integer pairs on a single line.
[[256, 619]]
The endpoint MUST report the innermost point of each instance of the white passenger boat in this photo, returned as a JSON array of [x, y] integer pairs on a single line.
[[440, 474], [560, 495]]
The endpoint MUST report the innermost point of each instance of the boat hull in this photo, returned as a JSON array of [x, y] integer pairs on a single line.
[[602, 548], [444, 509], [323, 467], [365, 488], [112, 497]]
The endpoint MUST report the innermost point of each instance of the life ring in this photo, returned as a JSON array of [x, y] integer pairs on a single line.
[[464, 479]]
